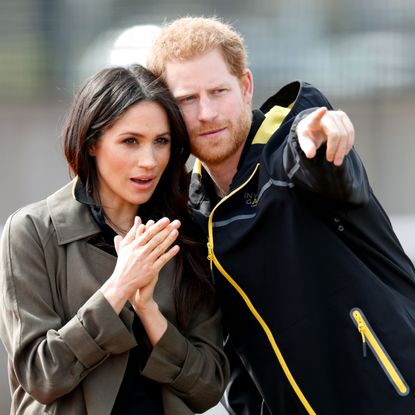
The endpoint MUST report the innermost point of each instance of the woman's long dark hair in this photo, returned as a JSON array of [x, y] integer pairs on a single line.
[[99, 103]]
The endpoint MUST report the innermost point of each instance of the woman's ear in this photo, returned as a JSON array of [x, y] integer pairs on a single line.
[[92, 151]]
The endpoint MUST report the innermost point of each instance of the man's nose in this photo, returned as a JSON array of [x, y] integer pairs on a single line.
[[207, 109]]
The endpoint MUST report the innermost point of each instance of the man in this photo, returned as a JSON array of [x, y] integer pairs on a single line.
[[317, 293]]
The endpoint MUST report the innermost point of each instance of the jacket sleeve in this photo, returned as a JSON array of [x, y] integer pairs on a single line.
[[347, 183], [49, 357], [241, 397], [194, 366]]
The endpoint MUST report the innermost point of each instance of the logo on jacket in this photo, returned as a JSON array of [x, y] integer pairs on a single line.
[[251, 199]]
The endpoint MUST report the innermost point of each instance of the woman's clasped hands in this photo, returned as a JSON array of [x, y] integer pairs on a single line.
[[142, 252]]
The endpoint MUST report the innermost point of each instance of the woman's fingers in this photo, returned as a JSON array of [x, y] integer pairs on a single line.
[[151, 248], [157, 231], [163, 259], [153, 229], [159, 243], [117, 241], [131, 234], [140, 230]]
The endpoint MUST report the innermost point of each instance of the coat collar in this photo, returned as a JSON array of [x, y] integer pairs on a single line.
[[71, 219], [202, 195]]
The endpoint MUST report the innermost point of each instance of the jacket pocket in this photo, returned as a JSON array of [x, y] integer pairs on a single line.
[[369, 339]]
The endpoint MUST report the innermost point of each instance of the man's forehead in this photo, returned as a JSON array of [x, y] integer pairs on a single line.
[[202, 71]]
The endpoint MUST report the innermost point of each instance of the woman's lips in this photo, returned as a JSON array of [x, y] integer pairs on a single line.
[[142, 182]]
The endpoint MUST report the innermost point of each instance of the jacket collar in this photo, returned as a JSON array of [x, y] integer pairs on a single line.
[[71, 219]]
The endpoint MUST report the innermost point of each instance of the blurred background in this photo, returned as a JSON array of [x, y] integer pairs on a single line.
[[360, 54]]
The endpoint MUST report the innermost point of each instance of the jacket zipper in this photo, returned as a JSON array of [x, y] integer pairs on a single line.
[[214, 260], [370, 339]]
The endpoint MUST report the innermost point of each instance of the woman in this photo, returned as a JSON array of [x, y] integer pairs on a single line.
[[104, 311]]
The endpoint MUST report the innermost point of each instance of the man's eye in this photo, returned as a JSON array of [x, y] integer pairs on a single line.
[[187, 100]]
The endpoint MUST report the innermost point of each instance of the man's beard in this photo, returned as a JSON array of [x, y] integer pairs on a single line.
[[215, 156]]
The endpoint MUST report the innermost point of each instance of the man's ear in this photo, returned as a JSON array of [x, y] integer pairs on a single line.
[[247, 86]]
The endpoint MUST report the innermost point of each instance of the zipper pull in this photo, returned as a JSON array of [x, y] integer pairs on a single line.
[[361, 327], [210, 253], [210, 259]]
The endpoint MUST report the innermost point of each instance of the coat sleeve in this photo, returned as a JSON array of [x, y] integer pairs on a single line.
[[347, 183], [49, 357], [241, 397], [194, 366]]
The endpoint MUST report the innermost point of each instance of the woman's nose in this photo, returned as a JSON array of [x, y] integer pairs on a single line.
[[147, 158]]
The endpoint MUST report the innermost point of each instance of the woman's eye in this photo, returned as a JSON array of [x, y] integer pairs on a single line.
[[130, 140], [162, 140]]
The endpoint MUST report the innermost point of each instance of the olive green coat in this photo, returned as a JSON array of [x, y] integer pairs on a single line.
[[67, 348]]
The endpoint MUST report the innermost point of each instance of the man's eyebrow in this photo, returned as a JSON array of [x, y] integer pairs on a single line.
[[184, 94]]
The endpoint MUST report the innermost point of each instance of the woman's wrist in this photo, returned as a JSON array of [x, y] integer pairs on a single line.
[[154, 323], [114, 295]]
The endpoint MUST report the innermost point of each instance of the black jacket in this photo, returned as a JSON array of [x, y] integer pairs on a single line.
[[317, 292]]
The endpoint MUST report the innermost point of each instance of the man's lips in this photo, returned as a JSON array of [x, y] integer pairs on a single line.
[[211, 132]]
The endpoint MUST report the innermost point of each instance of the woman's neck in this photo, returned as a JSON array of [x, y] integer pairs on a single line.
[[120, 227], [119, 217]]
